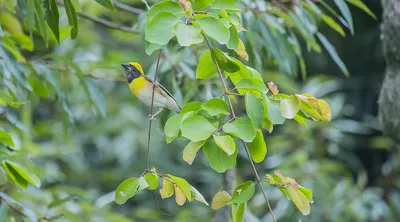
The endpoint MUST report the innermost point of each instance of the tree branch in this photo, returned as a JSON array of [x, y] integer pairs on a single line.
[[127, 8], [103, 22], [232, 111]]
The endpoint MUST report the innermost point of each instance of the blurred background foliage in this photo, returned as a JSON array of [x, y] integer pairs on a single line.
[[75, 124]]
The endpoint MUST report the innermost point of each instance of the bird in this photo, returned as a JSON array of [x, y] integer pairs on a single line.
[[142, 87]]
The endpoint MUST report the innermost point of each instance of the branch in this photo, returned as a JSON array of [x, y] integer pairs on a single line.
[[103, 22], [127, 8], [232, 111]]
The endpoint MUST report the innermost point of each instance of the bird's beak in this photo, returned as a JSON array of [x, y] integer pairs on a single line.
[[125, 65]]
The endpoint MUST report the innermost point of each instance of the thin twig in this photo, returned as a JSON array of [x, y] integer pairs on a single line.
[[151, 112], [127, 8], [103, 22], [234, 116]]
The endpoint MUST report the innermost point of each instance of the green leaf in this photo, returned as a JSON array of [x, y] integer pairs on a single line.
[[30, 7], [243, 192], [228, 5], [187, 35], [224, 61], [218, 159], [28, 213], [129, 188], [152, 47], [199, 5], [24, 173], [258, 148], [192, 106], [234, 39], [255, 110], [274, 113], [344, 9], [333, 24], [160, 29], [290, 106], [359, 4], [13, 49], [241, 128], [220, 199], [190, 151], [307, 192], [197, 128], [206, 67], [52, 17], [14, 176], [152, 180], [214, 28], [165, 6], [332, 52], [237, 212], [37, 85], [317, 108], [196, 195], [106, 3], [72, 18], [40, 19], [183, 185], [299, 199], [251, 85], [216, 107], [226, 143], [172, 127]]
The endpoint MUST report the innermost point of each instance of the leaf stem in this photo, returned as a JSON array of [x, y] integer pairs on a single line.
[[232, 111]]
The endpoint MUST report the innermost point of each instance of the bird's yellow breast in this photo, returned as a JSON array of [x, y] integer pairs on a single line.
[[138, 84]]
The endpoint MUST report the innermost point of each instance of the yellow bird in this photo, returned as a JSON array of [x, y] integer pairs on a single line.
[[142, 87]]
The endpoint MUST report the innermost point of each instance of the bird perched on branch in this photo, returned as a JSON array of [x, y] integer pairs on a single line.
[[142, 87]]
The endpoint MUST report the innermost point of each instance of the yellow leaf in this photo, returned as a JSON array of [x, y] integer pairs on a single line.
[[241, 51], [220, 199], [179, 196], [167, 190], [299, 199]]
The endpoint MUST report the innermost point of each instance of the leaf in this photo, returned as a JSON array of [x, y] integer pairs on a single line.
[[214, 28], [172, 127], [317, 108], [224, 61], [255, 110], [152, 47], [290, 106], [198, 5], [251, 84], [307, 192], [129, 188], [218, 159], [187, 35], [5, 138], [206, 67], [228, 5], [220, 199], [24, 173], [106, 3], [52, 17], [359, 4], [332, 52], [196, 195], [215, 107], [183, 185], [72, 18], [40, 21], [165, 6], [333, 24], [28, 213], [243, 192], [191, 130], [237, 212], [273, 109], [258, 148], [1, 31], [241, 50], [242, 128], [226, 143], [192, 106], [234, 39], [152, 180], [190, 151], [180, 198], [160, 29], [299, 199], [38, 87], [167, 190], [14, 176], [344, 9]]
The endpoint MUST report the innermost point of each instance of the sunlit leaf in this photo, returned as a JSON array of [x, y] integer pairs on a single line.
[[216, 107], [187, 35], [241, 50], [220, 199], [129, 188], [172, 127], [299, 199], [290, 106], [242, 128], [258, 148], [226, 143], [273, 109], [255, 110], [215, 29], [191, 130], [183, 185], [24, 173], [307, 192], [243, 192], [234, 40], [360, 4], [165, 6], [160, 29], [152, 180], [152, 47], [190, 151], [206, 67], [228, 5], [251, 84], [14, 176], [333, 24]]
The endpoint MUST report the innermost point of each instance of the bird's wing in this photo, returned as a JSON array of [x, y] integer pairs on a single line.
[[163, 90]]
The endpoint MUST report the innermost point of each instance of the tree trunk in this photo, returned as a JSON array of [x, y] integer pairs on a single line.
[[389, 98]]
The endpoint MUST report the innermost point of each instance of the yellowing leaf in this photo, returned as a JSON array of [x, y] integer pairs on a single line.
[[152, 180], [220, 199], [299, 199], [190, 151], [226, 143], [183, 185], [167, 190], [179, 196], [241, 51]]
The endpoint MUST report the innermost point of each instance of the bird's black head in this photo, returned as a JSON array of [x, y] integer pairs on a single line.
[[133, 70]]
